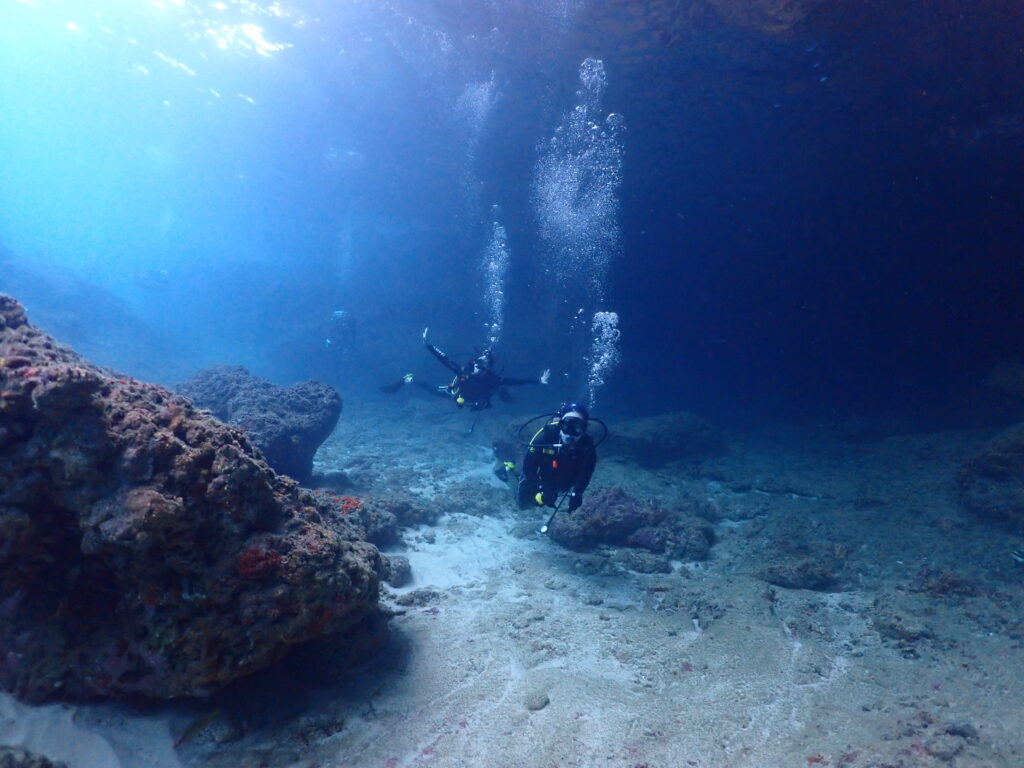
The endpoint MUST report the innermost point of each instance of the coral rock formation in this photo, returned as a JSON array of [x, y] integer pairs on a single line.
[[146, 548], [16, 757], [657, 440], [992, 483], [287, 424], [612, 516]]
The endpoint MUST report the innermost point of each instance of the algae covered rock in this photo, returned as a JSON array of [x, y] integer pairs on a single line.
[[16, 757], [653, 441], [815, 573], [287, 424], [992, 483], [146, 548], [613, 516]]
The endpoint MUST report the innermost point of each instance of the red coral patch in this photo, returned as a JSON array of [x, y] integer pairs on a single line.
[[257, 561]]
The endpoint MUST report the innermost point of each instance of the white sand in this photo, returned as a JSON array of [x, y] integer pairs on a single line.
[[88, 737], [523, 660]]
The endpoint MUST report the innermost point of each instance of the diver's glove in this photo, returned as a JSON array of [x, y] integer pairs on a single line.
[[545, 376], [502, 470], [546, 498], [575, 500]]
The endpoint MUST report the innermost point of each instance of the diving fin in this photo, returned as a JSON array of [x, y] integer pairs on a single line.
[[392, 388]]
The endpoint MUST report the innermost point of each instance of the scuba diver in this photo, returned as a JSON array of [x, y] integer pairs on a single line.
[[477, 382], [474, 384], [341, 332], [560, 459]]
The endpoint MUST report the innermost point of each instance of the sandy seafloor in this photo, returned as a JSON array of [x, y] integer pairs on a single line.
[[512, 651]]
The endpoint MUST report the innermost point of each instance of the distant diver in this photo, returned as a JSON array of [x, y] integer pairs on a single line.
[[559, 462], [474, 384], [341, 332]]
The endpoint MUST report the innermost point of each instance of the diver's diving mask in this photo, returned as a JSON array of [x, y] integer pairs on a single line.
[[570, 428], [483, 362]]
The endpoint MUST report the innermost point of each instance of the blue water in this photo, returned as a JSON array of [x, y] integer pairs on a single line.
[[795, 217], [800, 220]]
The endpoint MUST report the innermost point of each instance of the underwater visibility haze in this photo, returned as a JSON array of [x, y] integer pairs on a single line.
[[768, 253], [793, 209]]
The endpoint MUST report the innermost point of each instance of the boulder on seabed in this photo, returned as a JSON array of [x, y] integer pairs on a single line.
[[992, 483], [613, 516], [146, 549], [287, 423], [653, 441], [18, 757]]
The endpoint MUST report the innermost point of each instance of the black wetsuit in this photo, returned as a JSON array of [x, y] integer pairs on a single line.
[[552, 469], [475, 387]]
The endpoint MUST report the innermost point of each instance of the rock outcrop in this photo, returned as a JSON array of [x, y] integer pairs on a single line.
[[793, 572], [379, 519], [612, 516], [992, 483], [147, 549], [16, 757], [656, 440], [287, 424]]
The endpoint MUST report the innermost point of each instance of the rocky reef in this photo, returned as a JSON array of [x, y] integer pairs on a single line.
[[657, 440], [146, 549], [613, 516], [287, 423], [992, 483], [380, 519], [15, 757]]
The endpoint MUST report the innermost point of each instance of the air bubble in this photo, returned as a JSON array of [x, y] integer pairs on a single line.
[[576, 184], [495, 266], [604, 351]]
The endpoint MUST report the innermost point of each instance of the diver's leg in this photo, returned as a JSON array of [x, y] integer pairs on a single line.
[[508, 473], [441, 391], [526, 491], [398, 385]]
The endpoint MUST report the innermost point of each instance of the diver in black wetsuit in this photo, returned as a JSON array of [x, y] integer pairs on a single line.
[[476, 382], [560, 459]]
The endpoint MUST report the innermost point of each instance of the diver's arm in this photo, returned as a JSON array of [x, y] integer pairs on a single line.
[[445, 360]]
